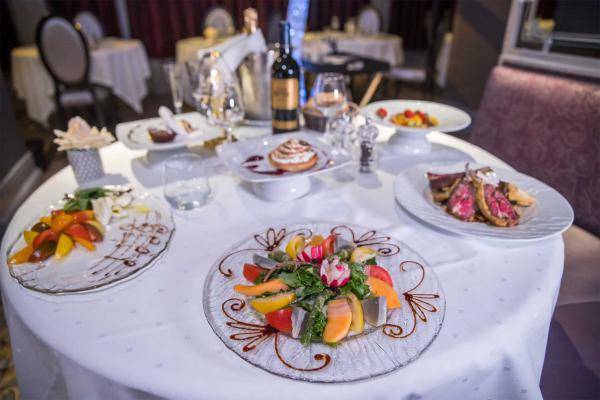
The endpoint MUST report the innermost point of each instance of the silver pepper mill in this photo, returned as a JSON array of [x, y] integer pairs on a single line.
[[367, 134]]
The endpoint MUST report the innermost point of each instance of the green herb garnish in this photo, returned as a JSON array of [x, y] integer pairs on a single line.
[[357, 283], [82, 199]]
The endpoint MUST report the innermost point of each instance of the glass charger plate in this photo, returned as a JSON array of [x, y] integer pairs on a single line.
[[549, 216], [129, 245], [407, 333]]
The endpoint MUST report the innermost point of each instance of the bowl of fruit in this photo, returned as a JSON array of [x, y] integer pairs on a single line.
[[413, 120]]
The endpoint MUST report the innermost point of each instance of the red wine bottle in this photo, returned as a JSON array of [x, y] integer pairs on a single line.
[[285, 75]]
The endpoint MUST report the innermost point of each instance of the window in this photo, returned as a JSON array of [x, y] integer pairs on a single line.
[[558, 35]]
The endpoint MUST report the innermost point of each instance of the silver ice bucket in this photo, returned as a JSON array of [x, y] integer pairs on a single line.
[[254, 74]]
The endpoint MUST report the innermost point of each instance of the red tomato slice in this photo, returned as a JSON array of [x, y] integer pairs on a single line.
[[252, 272], [380, 273], [281, 319], [408, 113], [78, 230], [81, 216], [328, 245], [46, 236]]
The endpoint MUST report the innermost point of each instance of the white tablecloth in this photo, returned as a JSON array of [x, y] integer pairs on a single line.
[[119, 64], [382, 47], [149, 337]]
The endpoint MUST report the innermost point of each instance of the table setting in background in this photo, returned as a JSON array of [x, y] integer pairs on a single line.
[[119, 64], [316, 46], [203, 256]]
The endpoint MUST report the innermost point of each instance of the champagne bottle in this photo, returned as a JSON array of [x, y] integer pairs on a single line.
[[285, 75]]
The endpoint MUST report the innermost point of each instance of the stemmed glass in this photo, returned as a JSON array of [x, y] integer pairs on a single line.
[[226, 108], [174, 76], [329, 94]]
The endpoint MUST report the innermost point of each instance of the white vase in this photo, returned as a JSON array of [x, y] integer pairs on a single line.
[[86, 164]]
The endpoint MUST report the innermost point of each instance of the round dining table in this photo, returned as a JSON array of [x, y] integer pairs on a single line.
[[381, 46], [119, 64], [148, 337]]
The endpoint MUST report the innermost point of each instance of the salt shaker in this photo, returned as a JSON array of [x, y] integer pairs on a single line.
[[366, 136]]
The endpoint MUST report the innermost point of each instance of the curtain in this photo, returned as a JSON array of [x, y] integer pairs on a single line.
[[161, 23]]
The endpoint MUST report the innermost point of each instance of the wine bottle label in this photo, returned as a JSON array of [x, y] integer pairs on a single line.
[[284, 94], [285, 125]]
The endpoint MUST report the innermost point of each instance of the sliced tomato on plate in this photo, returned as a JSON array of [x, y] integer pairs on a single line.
[[328, 245], [78, 231], [380, 273], [281, 319], [46, 236], [252, 272]]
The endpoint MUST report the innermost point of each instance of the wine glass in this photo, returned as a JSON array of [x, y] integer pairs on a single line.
[[174, 77], [329, 94], [226, 108]]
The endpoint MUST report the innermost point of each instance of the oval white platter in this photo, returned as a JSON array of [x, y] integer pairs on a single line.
[[450, 118], [135, 136], [408, 332], [549, 216], [130, 244]]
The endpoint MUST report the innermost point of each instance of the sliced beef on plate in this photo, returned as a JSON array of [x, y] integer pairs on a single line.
[[462, 203]]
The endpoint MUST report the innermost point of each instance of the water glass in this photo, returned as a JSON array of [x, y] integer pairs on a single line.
[[174, 74], [185, 180]]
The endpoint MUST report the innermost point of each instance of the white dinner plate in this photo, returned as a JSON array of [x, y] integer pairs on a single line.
[[134, 134], [549, 216], [234, 155], [450, 118], [130, 244], [408, 331]]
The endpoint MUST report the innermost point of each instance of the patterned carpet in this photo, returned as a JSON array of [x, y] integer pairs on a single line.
[[8, 378]]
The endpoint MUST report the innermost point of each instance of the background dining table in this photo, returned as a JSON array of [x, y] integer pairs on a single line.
[[120, 64], [381, 46], [148, 337]]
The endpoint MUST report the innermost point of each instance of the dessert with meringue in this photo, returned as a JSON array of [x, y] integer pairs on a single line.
[[294, 155]]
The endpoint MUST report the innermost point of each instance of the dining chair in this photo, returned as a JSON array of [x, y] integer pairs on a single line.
[[219, 19], [90, 26], [369, 20], [65, 55]]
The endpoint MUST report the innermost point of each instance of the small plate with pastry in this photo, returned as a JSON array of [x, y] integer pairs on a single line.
[[278, 166], [483, 201], [167, 132]]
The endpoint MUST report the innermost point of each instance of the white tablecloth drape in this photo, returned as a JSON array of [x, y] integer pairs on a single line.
[[119, 64], [382, 46], [148, 337]]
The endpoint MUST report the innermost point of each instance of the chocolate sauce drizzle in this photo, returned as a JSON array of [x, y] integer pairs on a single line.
[[417, 302], [137, 240], [256, 334], [370, 238]]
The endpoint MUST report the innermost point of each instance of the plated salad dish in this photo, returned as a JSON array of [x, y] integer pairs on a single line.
[[89, 239], [320, 289], [325, 295], [477, 195]]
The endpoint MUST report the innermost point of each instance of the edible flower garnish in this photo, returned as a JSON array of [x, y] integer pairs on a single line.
[[335, 273]]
